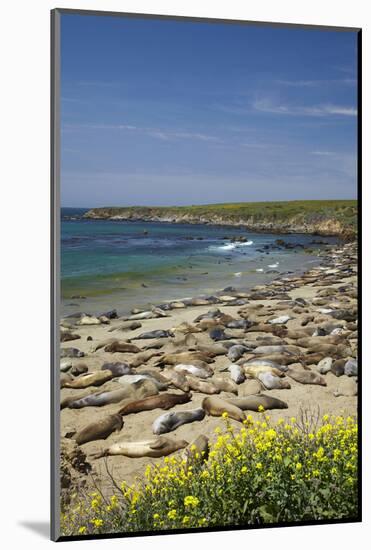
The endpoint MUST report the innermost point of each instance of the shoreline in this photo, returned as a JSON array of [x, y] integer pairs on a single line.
[[282, 296], [337, 218]]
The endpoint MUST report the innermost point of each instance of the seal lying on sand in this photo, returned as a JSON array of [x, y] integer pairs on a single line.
[[122, 347], [71, 352], [154, 334], [253, 402], [184, 358], [194, 370], [215, 406], [154, 448], [90, 379], [201, 386], [164, 401], [306, 377], [177, 379], [138, 390], [117, 369], [225, 384], [272, 382], [143, 357], [172, 420], [100, 429]]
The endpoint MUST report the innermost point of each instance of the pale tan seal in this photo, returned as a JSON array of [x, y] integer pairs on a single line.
[[215, 406], [143, 357], [100, 429], [90, 379], [224, 384], [201, 386], [177, 379], [250, 387], [255, 370], [253, 402], [306, 377], [154, 448]]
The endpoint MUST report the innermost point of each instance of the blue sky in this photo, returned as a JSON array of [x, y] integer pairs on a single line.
[[158, 112]]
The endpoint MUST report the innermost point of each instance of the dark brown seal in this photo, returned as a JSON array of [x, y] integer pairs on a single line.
[[100, 429], [164, 401]]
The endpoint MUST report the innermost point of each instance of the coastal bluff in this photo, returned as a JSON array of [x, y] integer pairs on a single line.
[[321, 217]]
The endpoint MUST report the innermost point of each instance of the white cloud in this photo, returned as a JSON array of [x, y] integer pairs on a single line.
[[267, 106], [157, 133]]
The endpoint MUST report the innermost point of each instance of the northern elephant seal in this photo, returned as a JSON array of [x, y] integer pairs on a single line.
[[215, 406], [170, 421], [237, 374], [78, 369], [224, 384], [143, 357], [100, 429], [193, 370], [177, 379], [117, 369], [324, 366], [184, 357], [154, 334], [201, 386], [250, 387], [71, 352], [90, 379], [122, 347], [272, 382], [153, 448], [306, 377], [253, 402], [164, 401]]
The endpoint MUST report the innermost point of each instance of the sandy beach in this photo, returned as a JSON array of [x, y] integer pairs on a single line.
[[319, 305]]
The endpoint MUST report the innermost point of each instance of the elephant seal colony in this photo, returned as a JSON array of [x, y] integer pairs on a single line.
[[172, 371]]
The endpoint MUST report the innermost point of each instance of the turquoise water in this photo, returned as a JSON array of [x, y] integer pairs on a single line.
[[126, 264]]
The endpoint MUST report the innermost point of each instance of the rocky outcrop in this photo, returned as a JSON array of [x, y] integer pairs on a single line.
[[286, 220]]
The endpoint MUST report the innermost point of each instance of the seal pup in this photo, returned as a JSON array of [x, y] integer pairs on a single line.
[[117, 369], [215, 406], [253, 402], [100, 429], [67, 336], [256, 370], [324, 366], [237, 374], [78, 369], [183, 358], [164, 401], [236, 352], [224, 384], [154, 334], [177, 379], [272, 382], [134, 378], [71, 352], [122, 347], [143, 357], [306, 377], [153, 448], [90, 379], [192, 369], [250, 387], [201, 386], [255, 362], [169, 422], [337, 367]]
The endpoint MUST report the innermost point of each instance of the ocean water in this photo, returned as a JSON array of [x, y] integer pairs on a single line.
[[133, 264]]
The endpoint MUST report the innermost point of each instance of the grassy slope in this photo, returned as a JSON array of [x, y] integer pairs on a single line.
[[339, 216]]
